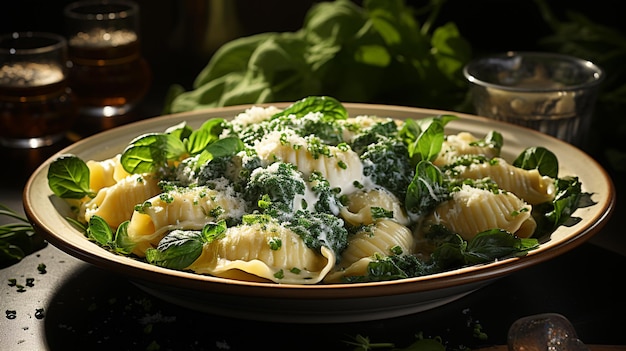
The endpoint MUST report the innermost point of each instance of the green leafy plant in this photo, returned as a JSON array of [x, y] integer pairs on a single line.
[[339, 45]]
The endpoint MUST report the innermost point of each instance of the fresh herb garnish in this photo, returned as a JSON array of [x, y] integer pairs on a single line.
[[117, 241], [424, 137], [157, 152], [68, 177], [427, 190], [17, 240], [539, 158], [180, 248]]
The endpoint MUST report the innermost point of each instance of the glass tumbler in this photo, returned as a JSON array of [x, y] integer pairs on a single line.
[[544, 332], [37, 106], [552, 93], [108, 72]]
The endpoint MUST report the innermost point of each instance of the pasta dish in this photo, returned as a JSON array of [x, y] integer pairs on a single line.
[[310, 195]]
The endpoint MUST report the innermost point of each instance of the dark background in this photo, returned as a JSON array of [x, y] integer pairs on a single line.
[[178, 39], [179, 36]]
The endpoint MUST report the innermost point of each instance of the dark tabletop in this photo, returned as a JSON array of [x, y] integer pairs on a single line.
[[74, 305]]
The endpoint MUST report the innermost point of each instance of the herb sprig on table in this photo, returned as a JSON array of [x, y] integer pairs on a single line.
[[18, 239]]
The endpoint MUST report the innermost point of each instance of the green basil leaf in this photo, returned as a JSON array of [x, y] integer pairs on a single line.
[[550, 215], [374, 55], [151, 152], [228, 146], [177, 250], [566, 201], [450, 254], [539, 158], [426, 190], [527, 244], [123, 244], [213, 231], [490, 245], [409, 131], [232, 57], [429, 142], [493, 140], [181, 131], [68, 178], [450, 51], [390, 22], [423, 123], [424, 137], [100, 231], [330, 107], [383, 270], [208, 133]]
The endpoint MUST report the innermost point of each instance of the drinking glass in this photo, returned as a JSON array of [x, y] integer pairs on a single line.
[[108, 72], [37, 106], [544, 332], [552, 93]]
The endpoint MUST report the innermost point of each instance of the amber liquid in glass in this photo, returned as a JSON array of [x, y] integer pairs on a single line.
[[108, 74], [36, 105]]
